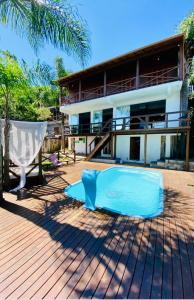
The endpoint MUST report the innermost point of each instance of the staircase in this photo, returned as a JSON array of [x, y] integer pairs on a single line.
[[100, 144]]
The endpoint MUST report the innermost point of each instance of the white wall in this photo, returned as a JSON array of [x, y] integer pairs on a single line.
[[153, 147], [80, 145], [168, 91]]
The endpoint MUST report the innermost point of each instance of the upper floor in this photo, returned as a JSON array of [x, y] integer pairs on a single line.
[[152, 65]]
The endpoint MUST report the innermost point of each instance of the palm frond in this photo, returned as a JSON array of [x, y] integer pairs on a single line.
[[48, 21]]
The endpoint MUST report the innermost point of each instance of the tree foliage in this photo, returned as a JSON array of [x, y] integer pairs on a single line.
[[53, 22], [187, 27], [26, 101]]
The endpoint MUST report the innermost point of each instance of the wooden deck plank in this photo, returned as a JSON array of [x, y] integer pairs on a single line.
[[74, 266], [41, 255], [177, 283], [93, 264], [30, 244], [52, 248], [156, 290], [119, 272], [33, 271], [135, 286], [167, 263], [45, 268], [146, 284], [188, 288], [71, 261], [131, 263]]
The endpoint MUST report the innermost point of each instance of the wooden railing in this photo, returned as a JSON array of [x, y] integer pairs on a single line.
[[144, 80], [158, 77], [143, 122]]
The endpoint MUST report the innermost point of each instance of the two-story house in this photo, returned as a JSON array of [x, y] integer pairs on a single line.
[[132, 108]]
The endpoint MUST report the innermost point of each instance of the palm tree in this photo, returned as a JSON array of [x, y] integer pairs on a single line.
[[47, 21], [54, 22]]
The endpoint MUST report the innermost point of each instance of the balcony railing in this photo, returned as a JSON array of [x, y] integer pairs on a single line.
[[140, 122], [143, 80]]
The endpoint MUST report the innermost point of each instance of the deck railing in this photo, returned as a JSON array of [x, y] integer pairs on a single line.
[[139, 122], [144, 80]]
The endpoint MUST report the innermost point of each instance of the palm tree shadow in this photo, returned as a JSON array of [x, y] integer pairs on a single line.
[[148, 243]]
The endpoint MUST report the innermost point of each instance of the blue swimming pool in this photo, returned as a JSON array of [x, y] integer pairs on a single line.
[[127, 191]]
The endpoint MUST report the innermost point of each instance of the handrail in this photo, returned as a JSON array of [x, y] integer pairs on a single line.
[[153, 78], [181, 117]]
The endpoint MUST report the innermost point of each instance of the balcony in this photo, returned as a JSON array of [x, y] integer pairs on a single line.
[[143, 80], [151, 122]]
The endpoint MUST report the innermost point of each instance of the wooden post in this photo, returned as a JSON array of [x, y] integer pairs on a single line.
[[115, 146], [181, 62], [40, 165], [86, 145], [137, 75], [187, 150], [62, 133], [80, 90], [145, 150], [105, 90], [111, 146]]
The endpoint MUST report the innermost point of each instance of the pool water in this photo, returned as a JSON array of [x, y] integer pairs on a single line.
[[127, 191]]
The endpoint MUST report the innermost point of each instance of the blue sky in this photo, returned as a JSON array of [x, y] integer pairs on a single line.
[[116, 27]]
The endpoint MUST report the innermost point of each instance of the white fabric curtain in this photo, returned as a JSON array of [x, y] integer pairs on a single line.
[[25, 141]]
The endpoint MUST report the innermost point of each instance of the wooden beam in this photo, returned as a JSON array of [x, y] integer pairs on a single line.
[[105, 83], [62, 133], [40, 164], [80, 90], [187, 150], [137, 75], [115, 146], [111, 145], [86, 145], [145, 150], [181, 62]]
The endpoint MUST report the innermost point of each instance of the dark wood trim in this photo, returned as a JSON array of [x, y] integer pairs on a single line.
[[145, 149], [144, 80], [111, 147], [40, 164], [181, 62], [115, 146], [86, 145], [105, 83], [80, 90], [130, 56], [187, 150], [137, 75], [139, 131]]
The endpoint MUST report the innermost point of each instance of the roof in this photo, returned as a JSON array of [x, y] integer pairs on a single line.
[[119, 59]]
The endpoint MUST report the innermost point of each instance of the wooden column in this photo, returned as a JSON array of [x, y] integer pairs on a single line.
[[111, 141], [115, 146], [145, 149], [187, 150], [105, 90], [62, 133], [40, 165], [86, 145], [181, 62], [80, 90], [137, 75]]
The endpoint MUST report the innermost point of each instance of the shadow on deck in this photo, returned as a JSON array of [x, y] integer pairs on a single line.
[[60, 250]]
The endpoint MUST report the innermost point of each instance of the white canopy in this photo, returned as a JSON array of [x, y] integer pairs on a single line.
[[25, 141]]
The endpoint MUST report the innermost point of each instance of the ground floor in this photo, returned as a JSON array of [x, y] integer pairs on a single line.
[[53, 248], [132, 148]]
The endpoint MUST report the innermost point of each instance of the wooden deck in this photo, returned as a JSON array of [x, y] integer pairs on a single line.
[[53, 248]]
